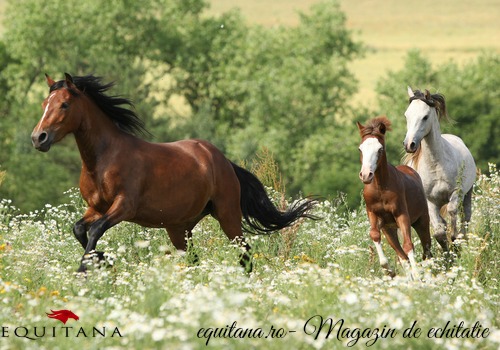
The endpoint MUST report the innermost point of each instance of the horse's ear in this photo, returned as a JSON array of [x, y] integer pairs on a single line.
[[428, 95], [382, 128], [360, 127], [50, 81], [410, 92], [68, 82]]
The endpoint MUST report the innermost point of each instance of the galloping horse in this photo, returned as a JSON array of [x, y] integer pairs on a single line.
[[394, 198], [444, 163], [164, 185]]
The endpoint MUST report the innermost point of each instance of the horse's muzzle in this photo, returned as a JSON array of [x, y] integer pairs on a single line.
[[41, 140], [366, 177], [410, 147]]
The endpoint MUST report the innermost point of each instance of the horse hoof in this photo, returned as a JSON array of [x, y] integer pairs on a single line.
[[82, 269], [246, 263]]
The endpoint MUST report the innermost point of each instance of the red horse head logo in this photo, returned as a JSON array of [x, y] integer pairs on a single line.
[[62, 315]]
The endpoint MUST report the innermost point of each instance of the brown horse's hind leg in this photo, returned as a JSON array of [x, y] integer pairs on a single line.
[[227, 210], [230, 221], [232, 229], [180, 236]]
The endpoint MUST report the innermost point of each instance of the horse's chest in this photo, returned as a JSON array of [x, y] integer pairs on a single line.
[[95, 192], [437, 189], [382, 208]]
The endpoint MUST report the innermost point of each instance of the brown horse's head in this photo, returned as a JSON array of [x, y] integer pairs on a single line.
[[59, 117], [372, 147]]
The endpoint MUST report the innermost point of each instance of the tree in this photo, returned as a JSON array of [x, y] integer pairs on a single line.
[[80, 37], [471, 94], [245, 86]]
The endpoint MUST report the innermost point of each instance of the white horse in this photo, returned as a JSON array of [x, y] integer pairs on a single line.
[[444, 163]]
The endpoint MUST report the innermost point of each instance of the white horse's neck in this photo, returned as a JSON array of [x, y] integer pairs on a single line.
[[432, 143]]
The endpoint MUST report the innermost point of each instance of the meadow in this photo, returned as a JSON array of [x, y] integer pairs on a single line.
[[149, 296]]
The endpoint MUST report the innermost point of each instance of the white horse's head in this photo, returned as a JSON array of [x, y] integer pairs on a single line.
[[421, 117]]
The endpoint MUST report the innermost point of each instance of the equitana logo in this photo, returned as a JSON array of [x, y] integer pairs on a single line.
[[39, 332], [63, 315]]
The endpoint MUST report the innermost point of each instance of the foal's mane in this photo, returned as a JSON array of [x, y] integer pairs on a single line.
[[376, 127], [125, 118], [432, 100]]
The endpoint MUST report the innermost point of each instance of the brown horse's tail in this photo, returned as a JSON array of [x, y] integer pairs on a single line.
[[260, 214]]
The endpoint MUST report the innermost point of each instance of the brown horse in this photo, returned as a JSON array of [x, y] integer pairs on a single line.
[[164, 185], [394, 198]]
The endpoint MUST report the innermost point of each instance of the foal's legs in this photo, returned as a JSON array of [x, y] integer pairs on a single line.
[[404, 224], [376, 238], [439, 225], [423, 231]]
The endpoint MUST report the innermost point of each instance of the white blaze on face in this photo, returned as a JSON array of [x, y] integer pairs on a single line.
[[370, 149], [46, 110]]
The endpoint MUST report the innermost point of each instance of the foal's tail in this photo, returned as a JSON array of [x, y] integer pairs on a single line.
[[260, 214]]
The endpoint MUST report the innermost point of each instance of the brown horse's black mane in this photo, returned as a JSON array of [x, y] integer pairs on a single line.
[[432, 100], [125, 118]]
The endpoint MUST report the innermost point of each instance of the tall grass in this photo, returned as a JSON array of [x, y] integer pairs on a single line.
[[159, 301]]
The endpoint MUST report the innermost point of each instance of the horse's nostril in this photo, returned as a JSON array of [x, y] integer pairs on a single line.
[[412, 145], [42, 137]]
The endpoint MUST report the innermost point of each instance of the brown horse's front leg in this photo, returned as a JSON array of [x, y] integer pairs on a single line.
[[81, 226], [118, 212], [96, 231]]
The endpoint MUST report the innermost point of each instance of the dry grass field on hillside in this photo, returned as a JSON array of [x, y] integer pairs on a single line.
[[446, 30]]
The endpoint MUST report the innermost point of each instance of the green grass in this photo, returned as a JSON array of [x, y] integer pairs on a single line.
[[158, 301]]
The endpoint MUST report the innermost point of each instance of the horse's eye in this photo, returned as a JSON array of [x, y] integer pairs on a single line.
[[426, 117], [64, 105]]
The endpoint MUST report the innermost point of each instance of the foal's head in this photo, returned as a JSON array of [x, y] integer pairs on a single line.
[[59, 114], [372, 147]]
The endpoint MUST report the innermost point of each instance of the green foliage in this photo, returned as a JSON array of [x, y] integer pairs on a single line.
[[245, 86], [242, 87], [109, 39]]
